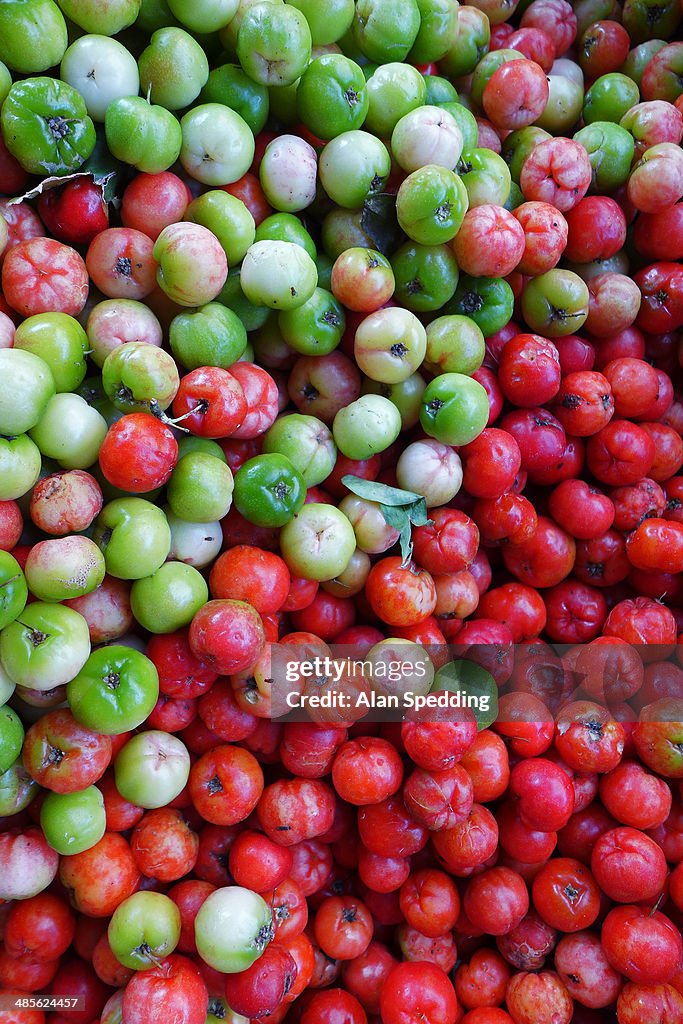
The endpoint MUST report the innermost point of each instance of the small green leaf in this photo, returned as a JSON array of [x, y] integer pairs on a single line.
[[396, 515], [471, 680], [372, 490], [418, 514]]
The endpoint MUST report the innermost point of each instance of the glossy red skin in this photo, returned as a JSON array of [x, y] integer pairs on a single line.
[[520, 841], [430, 902], [628, 865], [400, 596], [333, 1006], [597, 230], [290, 811], [482, 981], [540, 436], [290, 909], [490, 464], [39, 929], [543, 560], [328, 615], [487, 764], [566, 895], [227, 635], [642, 944], [248, 189], [488, 643], [604, 48], [212, 402], [365, 975], [490, 242], [640, 620], [634, 384], [656, 546], [581, 963], [246, 573], [576, 354], [635, 797], [226, 785], [418, 991], [659, 236], [262, 398], [174, 986], [261, 988], [77, 978], [22, 974], [469, 844], [587, 738], [138, 453], [526, 720], [121, 815], [507, 519], [575, 611], [382, 874], [517, 606], [366, 770], [74, 213], [64, 756], [101, 877], [602, 561], [181, 674], [529, 370], [218, 709], [496, 900], [661, 285], [437, 745], [668, 450], [153, 201], [343, 927], [545, 794], [608, 670], [583, 830], [620, 453], [515, 96]]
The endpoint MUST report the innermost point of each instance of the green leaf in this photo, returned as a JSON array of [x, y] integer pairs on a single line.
[[396, 515], [472, 681], [418, 514], [372, 490]]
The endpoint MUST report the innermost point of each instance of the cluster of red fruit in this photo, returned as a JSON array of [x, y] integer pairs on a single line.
[[439, 870]]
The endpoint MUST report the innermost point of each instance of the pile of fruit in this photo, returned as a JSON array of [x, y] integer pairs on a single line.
[[342, 333]]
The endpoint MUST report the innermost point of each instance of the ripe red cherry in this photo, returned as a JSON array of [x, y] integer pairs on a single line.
[[642, 944], [418, 992], [545, 794], [211, 402], [139, 453], [74, 213], [628, 865]]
